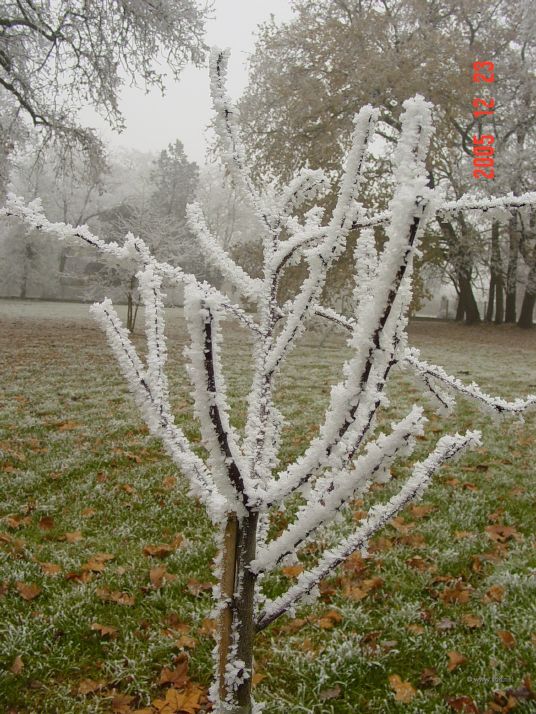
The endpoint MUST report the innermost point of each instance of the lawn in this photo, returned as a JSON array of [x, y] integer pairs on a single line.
[[105, 562]]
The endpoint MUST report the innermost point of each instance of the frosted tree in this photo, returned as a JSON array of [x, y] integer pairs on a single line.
[[241, 481]]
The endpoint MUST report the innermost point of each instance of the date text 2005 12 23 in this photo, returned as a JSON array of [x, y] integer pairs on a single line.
[[483, 144]]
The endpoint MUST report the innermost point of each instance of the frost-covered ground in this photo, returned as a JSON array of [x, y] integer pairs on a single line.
[[446, 605]]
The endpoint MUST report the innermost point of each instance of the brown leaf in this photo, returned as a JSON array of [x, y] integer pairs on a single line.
[[501, 534], [327, 694], [50, 568], [418, 563], [472, 621], [17, 665], [415, 629], [186, 701], [28, 591], [162, 550], [208, 627], [46, 523], [507, 639], [257, 678], [404, 691], [68, 426], [169, 483], [292, 571], [73, 537], [445, 624], [455, 660], [186, 642], [197, 588], [156, 576], [459, 594], [422, 510], [430, 678], [121, 703], [178, 676], [120, 598], [463, 704], [89, 686], [89, 513], [17, 521], [104, 630], [494, 594]]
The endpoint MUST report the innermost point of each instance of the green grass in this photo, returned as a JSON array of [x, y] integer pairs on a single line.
[[72, 440]]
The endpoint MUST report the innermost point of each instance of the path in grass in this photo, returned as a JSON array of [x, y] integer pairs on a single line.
[[105, 562]]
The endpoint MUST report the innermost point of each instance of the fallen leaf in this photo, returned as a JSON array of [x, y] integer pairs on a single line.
[[195, 587], [463, 704], [89, 686], [257, 678], [455, 660], [178, 676], [494, 594], [73, 537], [472, 621], [459, 594], [169, 483], [445, 624], [333, 693], [17, 665], [501, 534], [430, 678], [46, 523], [89, 512], [208, 627], [121, 598], [507, 639], [292, 571], [121, 703], [186, 701], [404, 691], [50, 568], [68, 426], [28, 591], [415, 629], [162, 550], [187, 642], [104, 630], [420, 511]]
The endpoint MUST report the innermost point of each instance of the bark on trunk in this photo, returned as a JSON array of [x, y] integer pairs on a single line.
[[511, 274], [529, 298], [491, 299], [237, 617]]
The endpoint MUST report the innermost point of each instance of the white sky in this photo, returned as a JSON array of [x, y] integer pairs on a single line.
[[153, 121]]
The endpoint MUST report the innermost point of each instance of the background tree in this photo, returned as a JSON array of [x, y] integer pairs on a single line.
[[303, 85], [56, 57]]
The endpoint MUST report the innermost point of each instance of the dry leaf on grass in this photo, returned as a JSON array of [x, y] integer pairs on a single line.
[[404, 691], [463, 704], [186, 701], [104, 630], [17, 665], [178, 676], [455, 660], [50, 568], [494, 594], [507, 639], [472, 621], [90, 686], [292, 571], [28, 591], [120, 598]]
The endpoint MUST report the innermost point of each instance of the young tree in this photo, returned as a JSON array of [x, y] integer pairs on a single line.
[[240, 482]]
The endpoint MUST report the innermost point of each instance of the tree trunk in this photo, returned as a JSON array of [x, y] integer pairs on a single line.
[[237, 616], [511, 273], [529, 298], [499, 299], [491, 299], [467, 301]]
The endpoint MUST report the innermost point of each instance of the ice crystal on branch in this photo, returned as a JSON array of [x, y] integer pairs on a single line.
[[240, 481]]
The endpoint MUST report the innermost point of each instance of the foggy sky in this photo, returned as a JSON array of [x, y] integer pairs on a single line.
[[153, 121]]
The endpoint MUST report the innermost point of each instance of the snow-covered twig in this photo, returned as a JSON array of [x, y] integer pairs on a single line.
[[158, 419], [379, 516]]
